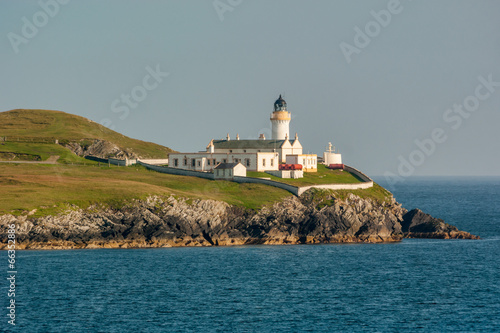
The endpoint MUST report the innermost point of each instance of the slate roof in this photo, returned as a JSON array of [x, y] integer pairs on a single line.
[[226, 165], [249, 144]]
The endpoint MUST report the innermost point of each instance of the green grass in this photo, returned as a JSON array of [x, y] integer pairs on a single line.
[[51, 188], [377, 193], [46, 126], [323, 176], [324, 197], [41, 150]]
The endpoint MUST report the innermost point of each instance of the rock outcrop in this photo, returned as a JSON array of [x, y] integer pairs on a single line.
[[315, 217], [417, 224], [99, 148]]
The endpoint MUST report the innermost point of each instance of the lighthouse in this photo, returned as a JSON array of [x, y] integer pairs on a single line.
[[280, 120]]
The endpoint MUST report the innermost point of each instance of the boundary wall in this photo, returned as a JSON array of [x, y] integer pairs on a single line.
[[290, 188], [367, 182], [154, 161], [176, 171]]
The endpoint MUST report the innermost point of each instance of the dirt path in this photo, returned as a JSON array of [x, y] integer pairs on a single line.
[[50, 160]]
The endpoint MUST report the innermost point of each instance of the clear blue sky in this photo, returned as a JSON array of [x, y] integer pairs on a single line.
[[227, 66]]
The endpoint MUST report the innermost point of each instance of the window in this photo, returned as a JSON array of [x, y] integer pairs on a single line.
[[244, 150], [176, 162], [193, 162], [264, 162], [230, 150], [304, 161], [199, 163], [224, 160], [229, 172], [272, 162], [247, 162], [209, 162], [185, 161]]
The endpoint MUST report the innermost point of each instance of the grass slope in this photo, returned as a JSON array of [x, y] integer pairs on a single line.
[[40, 125], [39, 152], [49, 188], [323, 176]]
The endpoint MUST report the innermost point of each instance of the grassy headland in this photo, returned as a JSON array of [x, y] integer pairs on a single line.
[[51, 188], [44, 189], [26, 126]]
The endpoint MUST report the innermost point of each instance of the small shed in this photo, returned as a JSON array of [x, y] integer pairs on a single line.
[[229, 170]]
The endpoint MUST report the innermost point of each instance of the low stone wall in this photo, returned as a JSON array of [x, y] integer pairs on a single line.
[[367, 183], [290, 188], [287, 187], [97, 159], [156, 161], [125, 162], [357, 186], [176, 171], [358, 173]]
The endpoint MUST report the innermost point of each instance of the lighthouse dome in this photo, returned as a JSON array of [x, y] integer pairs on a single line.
[[280, 104]]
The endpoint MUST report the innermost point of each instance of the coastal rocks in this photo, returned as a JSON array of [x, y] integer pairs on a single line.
[[417, 224], [315, 217]]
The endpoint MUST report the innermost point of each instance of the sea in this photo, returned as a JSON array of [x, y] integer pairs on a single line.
[[417, 285]]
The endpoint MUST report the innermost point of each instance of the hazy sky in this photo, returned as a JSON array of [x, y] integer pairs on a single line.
[[408, 88]]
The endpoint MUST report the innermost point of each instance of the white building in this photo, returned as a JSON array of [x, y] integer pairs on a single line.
[[203, 161], [281, 147], [330, 157], [309, 162], [229, 171], [255, 155]]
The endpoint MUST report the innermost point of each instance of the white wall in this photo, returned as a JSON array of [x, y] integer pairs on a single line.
[[309, 162], [158, 161], [204, 161], [332, 158]]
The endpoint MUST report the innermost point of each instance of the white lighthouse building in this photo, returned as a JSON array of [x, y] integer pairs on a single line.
[[254, 154], [280, 120]]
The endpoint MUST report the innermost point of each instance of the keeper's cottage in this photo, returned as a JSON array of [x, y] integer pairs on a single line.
[[256, 155]]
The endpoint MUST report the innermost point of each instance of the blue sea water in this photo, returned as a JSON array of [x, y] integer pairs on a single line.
[[415, 285]]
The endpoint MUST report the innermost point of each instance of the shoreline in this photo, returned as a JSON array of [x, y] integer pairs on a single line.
[[68, 245]]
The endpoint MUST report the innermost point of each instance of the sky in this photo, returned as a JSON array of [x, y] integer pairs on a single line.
[[400, 88]]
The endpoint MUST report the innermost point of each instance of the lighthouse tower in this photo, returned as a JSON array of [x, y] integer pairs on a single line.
[[280, 120]]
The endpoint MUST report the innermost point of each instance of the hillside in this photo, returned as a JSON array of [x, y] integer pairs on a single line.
[[52, 189], [26, 127]]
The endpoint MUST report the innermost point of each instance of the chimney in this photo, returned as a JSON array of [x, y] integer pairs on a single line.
[[228, 138], [237, 136], [262, 137]]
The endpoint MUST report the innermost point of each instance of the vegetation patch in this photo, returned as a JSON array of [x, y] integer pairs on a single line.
[[39, 152], [51, 188], [322, 176], [45, 126]]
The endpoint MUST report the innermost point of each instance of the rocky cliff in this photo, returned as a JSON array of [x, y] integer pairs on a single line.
[[98, 148], [315, 217]]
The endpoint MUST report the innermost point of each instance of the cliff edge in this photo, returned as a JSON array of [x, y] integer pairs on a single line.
[[315, 217]]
